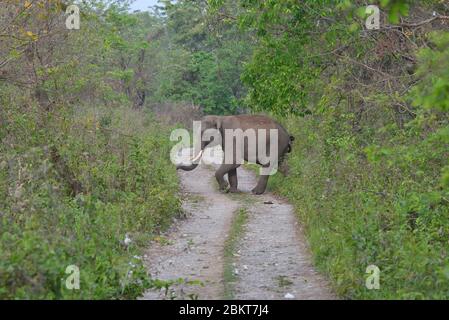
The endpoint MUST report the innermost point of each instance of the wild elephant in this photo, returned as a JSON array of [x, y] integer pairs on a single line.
[[251, 149]]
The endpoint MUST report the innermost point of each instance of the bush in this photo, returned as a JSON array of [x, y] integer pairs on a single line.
[[120, 161], [379, 196]]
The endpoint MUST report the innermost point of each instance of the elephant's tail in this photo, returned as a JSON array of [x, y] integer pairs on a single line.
[[289, 148]]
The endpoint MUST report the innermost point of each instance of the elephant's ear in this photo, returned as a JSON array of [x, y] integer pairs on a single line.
[[213, 122], [218, 123]]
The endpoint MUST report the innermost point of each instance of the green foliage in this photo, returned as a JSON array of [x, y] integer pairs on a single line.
[[433, 91], [389, 209], [291, 51], [369, 169], [80, 167], [129, 188], [390, 212], [202, 60], [369, 172], [397, 8]]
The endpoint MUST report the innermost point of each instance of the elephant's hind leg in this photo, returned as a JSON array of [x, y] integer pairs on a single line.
[[233, 181], [261, 185]]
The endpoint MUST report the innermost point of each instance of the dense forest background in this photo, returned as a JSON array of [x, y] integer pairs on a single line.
[[85, 118]]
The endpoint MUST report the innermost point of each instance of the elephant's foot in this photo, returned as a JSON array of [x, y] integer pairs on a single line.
[[258, 190], [224, 187], [233, 190]]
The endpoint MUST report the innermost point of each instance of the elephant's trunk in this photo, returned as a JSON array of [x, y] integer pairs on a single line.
[[187, 168], [195, 161]]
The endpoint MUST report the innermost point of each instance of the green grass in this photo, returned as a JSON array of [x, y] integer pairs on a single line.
[[243, 198], [283, 281], [231, 243]]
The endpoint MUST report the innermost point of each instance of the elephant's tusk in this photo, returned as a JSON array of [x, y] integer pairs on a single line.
[[197, 157]]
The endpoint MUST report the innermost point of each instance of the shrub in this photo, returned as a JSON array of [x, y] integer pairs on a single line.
[[128, 187], [380, 196]]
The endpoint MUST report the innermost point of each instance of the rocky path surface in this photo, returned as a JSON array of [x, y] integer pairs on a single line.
[[271, 260]]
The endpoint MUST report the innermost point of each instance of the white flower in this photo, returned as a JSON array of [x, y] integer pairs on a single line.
[[127, 240]]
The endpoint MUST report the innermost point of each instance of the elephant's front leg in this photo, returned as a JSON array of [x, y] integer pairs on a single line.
[[219, 175], [232, 177], [261, 185]]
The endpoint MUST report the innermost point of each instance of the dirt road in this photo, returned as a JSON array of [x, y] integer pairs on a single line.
[[271, 259]]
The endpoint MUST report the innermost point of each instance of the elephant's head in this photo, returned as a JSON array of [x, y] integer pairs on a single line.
[[207, 123]]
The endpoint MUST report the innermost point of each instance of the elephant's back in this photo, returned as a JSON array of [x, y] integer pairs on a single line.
[[257, 121], [262, 122], [247, 121]]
